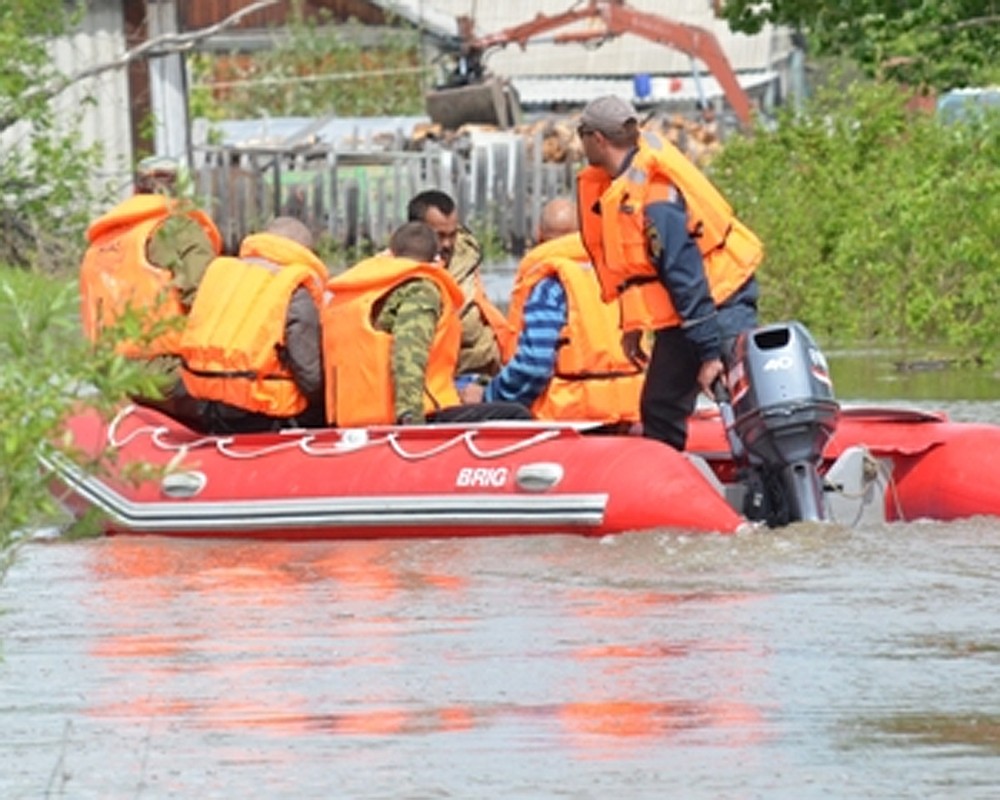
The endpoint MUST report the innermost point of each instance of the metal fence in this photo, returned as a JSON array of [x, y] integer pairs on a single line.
[[357, 198]]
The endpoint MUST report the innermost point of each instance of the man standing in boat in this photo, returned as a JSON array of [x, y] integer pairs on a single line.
[[251, 350], [667, 245], [568, 361], [484, 327], [391, 337]]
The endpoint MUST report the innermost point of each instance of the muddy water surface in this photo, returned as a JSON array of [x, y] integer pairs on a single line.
[[813, 662]]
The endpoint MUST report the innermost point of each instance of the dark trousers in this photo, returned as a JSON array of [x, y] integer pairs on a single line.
[[210, 416], [480, 412], [670, 391]]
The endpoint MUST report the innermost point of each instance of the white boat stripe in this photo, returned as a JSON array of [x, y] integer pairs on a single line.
[[569, 510]]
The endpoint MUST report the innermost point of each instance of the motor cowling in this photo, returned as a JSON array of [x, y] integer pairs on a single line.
[[784, 412]]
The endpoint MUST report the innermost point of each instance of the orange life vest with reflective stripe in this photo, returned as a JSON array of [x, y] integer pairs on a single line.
[[593, 379], [613, 223], [232, 344], [116, 276], [357, 356]]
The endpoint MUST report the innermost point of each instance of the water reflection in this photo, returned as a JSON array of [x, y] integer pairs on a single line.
[[242, 629]]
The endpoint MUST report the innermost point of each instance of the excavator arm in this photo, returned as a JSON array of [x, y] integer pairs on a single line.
[[617, 19]]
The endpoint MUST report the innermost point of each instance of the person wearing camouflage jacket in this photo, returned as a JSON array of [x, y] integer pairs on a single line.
[[484, 327], [406, 294]]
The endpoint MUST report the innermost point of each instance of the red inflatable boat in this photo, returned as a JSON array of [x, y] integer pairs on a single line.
[[778, 449], [497, 478]]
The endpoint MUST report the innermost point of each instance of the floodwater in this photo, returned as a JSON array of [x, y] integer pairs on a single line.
[[812, 662]]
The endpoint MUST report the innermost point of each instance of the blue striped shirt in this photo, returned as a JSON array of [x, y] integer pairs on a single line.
[[529, 371]]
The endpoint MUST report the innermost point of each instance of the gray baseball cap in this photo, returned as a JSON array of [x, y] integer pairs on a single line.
[[608, 114]]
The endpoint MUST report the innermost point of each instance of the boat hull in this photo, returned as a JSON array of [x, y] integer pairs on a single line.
[[150, 475], [427, 481]]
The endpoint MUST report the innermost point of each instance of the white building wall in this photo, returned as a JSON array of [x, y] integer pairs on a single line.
[[626, 54], [96, 108]]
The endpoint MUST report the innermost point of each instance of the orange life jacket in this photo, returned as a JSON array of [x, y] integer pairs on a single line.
[[116, 276], [613, 222], [493, 316], [593, 379], [357, 356], [231, 345]]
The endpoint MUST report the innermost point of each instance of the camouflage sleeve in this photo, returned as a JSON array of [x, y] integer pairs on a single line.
[[410, 314], [465, 261], [181, 245]]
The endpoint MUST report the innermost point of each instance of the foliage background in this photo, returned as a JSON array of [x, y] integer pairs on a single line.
[[45, 190], [316, 69], [928, 45], [879, 223]]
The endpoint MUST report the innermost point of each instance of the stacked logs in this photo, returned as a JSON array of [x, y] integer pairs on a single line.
[[698, 139]]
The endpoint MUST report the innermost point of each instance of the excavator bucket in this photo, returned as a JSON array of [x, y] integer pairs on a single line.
[[492, 102]]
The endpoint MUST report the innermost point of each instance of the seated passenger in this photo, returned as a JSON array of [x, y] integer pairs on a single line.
[[485, 332], [391, 337], [252, 350], [568, 363], [147, 255]]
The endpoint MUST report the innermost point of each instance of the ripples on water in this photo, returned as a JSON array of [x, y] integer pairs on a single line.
[[813, 662]]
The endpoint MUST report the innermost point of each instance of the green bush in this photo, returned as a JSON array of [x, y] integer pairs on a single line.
[[46, 188], [45, 365], [879, 223]]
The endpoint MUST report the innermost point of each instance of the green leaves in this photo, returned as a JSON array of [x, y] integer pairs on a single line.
[[940, 45], [44, 173], [45, 365], [318, 69], [878, 223]]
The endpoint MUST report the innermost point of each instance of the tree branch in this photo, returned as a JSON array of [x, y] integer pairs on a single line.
[[975, 22], [167, 44]]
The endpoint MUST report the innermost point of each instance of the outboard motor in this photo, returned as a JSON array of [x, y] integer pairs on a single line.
[[782, 413]]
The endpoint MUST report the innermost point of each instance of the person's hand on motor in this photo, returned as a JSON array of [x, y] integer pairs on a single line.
[[709, 372]]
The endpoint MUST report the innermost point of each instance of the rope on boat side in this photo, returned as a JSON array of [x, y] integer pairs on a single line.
[[339, 447], [538, 438], [160, 436], [112, 435], [393, 440], [222, 445], [310, 443], [478, 452]]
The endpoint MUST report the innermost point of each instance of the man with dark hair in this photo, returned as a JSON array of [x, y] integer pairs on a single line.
[[391, 338], [666, 244], [484, 328]]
